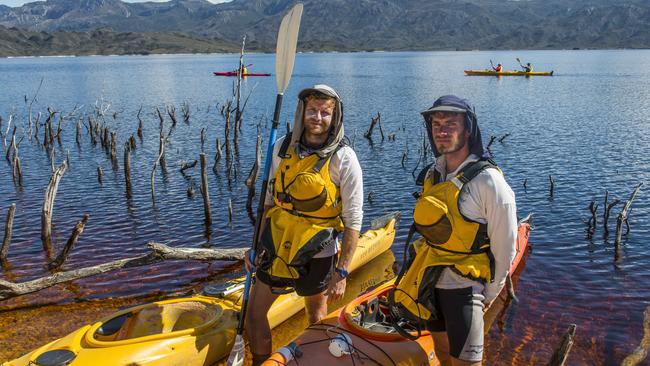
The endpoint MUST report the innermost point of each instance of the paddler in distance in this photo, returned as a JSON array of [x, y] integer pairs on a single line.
[[316, 194], [497, 68], [467, 219]]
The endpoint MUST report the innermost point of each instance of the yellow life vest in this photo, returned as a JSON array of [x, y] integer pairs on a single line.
[[306, 215], [449, 240]]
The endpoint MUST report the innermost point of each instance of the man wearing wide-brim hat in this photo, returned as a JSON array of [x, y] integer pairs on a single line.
[[467, 218]]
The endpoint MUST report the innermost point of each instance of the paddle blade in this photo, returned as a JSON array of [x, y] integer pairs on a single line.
[[285, 53], [236, 357]]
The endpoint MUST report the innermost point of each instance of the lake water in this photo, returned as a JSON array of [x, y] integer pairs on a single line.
[[587, 126]]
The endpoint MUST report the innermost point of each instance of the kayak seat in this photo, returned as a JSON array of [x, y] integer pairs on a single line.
[[187, 315], [167, 318]]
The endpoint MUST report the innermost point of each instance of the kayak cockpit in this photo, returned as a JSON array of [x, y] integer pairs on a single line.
[[155, 321], [369, 316]]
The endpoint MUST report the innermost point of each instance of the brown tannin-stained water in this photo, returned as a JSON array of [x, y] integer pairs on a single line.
[[586, 126]]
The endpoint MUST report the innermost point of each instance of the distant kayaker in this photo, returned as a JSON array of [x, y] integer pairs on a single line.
[[467, 218], [498, 68], [527, 68], [244, 71], [317, 193]]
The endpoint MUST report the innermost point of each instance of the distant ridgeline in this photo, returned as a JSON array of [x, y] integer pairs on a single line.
[[71, 26]]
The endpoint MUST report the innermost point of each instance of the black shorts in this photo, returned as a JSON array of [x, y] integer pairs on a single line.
[[317, 277], [460, 314]]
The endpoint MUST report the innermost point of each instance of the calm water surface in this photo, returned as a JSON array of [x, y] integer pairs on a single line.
[[587, 127]]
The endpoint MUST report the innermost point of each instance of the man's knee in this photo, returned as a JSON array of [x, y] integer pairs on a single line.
[[316, 307]]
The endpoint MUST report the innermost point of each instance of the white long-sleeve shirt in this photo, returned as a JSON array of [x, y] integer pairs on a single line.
[[486, 199], [345, 172]]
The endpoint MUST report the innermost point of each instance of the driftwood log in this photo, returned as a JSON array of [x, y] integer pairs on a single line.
[[48, 207], [159, 252], [641, 352]]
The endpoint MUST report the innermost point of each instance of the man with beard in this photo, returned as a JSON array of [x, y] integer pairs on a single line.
[[467, 218], [316, 194]]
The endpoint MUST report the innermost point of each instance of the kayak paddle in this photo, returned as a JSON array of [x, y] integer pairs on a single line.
[[518, 60], [491, 64], [285, 54]]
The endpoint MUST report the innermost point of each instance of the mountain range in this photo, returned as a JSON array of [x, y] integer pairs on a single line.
[[46, 27]]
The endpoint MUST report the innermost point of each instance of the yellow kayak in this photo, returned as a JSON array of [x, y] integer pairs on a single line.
[[507, 73], [197, 330]]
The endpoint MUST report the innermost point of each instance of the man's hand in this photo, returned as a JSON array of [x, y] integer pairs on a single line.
[[247, 261], [336, 288]]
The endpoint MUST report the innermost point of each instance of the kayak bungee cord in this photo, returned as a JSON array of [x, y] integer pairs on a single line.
[[326, 329]]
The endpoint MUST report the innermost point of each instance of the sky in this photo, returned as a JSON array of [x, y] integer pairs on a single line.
[[14, 3]]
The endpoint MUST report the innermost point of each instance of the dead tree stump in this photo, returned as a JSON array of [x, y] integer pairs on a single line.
[[48, 207], [204, 192], [374, 121], [161, 153], [552, 188], [127, 170], [623, 216], [114, 149], [562, 352], [4, 251], [100, 173], [140, 124], [76, 232], [252, 178]]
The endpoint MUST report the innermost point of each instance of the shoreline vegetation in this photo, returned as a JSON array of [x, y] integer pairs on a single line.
[[16, 42]]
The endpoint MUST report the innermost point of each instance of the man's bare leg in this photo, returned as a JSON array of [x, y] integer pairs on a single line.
[[441, 344], [316, 307], [256, 322]]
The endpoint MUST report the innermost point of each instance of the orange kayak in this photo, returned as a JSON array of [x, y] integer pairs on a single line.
[[375, 341]]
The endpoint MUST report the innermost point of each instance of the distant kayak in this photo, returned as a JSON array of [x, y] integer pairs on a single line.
[[234, 73], [507, 73]]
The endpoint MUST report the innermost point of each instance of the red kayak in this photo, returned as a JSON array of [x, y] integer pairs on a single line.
[[362, 331], [234, 73]]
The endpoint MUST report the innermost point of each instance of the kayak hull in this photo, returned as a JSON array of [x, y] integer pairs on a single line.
[[376, 341], [197, 330], [234, 73], [507, 73]]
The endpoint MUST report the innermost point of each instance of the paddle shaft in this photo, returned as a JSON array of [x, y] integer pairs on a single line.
[[518, 60], [260, 209]]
